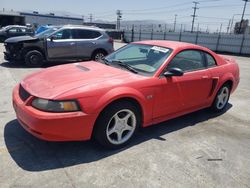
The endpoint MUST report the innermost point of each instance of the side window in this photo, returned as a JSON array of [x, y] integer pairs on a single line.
[[210, 60], [85, 34], [13, 30], [188, 60], [63, 34], [23, 30]]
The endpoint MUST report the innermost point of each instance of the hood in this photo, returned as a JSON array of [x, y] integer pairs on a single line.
[[21, 39], [86, 76]]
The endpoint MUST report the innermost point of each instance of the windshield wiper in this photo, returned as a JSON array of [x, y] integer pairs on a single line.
[[125, 65], [105, 61]]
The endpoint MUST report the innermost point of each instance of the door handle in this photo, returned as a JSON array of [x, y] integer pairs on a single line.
[[72, 43], [93, 42]]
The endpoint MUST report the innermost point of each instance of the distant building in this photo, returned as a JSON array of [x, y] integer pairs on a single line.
[[11, 18], [49, 19], [36, 19], [244, 28]]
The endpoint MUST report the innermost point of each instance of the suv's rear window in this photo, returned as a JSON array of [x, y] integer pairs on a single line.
[[85, 34]]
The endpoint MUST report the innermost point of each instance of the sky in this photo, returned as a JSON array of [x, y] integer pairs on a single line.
[[211, 13]]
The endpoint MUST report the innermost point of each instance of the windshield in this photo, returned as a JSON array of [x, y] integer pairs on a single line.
[[47, 32], [145, 59], [5, 28]]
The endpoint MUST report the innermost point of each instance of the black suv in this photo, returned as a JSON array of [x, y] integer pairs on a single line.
[[14, 31]]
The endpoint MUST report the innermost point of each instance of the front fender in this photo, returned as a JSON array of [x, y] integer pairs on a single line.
[[127, 92]]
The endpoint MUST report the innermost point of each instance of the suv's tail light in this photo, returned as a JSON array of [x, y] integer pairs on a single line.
[[111, 40]]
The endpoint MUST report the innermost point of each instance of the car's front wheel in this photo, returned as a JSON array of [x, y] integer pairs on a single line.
[[221, 99], [34, 58], [117, 124]]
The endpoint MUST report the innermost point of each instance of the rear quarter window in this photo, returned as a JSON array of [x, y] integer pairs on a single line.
[[210, 60], [85, 34]]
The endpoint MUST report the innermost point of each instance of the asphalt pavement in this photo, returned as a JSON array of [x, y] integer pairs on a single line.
[[201, 149]]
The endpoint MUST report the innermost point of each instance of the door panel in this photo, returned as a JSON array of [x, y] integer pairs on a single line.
[[85, 47], [168, 99], [86, 41], [62, 45], [190, 91], [195, 88]]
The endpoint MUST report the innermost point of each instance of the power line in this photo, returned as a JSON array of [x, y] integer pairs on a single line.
[[157, 8], [158, 12], [218, 6], [194, 15]]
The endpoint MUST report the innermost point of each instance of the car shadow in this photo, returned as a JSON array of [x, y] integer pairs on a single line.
[[32, 154]]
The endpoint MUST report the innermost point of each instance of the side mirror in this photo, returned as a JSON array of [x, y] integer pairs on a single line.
[[52, 38], [173, 72]]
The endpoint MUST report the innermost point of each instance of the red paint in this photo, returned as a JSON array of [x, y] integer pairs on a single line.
[[160, 98]]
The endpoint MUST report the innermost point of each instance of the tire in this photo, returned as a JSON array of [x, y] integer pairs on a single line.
[[34, 58], [221, 98], [117, 125], [2, 39], [99, 54]]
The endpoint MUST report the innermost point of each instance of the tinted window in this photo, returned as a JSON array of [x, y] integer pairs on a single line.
[[23, 30], [188, 60], [63, 34], [210, 60], [85, 34], [13, 30]]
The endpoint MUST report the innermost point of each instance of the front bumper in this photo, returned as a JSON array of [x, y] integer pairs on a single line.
[[48, 126], [12, 52]]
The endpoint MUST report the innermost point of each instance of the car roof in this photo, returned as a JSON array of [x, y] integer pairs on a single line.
[[82, 27], [22, 26], [171, 44]]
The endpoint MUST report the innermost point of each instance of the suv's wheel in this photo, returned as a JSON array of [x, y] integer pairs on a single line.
[[221, 99], [97, 55], [117, 124], [34, 58]]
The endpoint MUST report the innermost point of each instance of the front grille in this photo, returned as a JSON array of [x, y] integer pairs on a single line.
[[24, 95]]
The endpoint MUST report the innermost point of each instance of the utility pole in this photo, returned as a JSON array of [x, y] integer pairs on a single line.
[[119, 17], [82, 19], [220, 28], [90, 18], [175, 16], [228, 27], [194, 15], [243, 13]]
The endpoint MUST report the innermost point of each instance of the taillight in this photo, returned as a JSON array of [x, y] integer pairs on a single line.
[[111, 40]]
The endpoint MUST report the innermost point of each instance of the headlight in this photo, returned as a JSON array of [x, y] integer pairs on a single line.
[[55, 106]]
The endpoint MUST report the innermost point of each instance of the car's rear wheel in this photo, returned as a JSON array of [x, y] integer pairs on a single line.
[[99, 54], [34, 58], [117, 125], [221, 99]]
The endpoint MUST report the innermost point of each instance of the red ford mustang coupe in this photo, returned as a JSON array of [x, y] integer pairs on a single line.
[[139, 85]]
